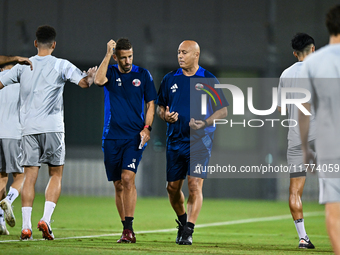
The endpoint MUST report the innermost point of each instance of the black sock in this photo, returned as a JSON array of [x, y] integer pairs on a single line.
[[191, 225], [123, 222], [128, 223], [182, 219], [298, 220]]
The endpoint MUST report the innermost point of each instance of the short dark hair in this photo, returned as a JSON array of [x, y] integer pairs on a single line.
[[123, 44], [333, 20], [301, 42], [45, 34]]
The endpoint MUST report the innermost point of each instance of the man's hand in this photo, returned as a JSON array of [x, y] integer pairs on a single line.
[[24, 61], [144, 136], [111, 45], [170, 117], [91, 73], [196, 124]]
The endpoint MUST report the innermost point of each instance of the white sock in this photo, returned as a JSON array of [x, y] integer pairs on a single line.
[[12, 195], [2, 217], [48, 211], [26, 217], [300, 228]]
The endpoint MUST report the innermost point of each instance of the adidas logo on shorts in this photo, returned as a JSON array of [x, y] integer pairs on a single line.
[[132, 165]]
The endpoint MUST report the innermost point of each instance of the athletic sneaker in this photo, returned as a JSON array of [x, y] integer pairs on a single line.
[[9, 216], [46, 230], [180, 230], [128, 236], [3, 230], [303, 244], [26, 234], [186, 238]]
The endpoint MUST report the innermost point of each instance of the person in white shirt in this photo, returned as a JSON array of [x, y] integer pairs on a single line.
[[42, 120], [321, 76], [303, 45], [10, 141]]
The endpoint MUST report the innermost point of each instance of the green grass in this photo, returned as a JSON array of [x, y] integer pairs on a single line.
[[75, 217]]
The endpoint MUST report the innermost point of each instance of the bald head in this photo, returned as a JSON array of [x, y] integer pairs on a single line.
[[191, 45], [188, 55]]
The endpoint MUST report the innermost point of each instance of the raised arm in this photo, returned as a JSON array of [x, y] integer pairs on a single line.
[[18, 59], [87, 81], [100, 78]]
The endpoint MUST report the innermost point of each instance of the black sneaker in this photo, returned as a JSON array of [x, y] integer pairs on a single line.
[[303, 244], [186, 238], [180, 230]]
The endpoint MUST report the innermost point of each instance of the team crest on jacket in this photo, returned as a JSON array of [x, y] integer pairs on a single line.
[[136, 82], [199, 86]]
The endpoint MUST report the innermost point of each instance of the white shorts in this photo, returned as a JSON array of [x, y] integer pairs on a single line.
[[48, 148], [329, 181], [10, 156]]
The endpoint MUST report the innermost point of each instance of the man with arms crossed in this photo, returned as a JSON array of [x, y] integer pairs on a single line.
[[303, 45], [189, 139], [10, 141], [126, 88], [321, 71], [41, 116]]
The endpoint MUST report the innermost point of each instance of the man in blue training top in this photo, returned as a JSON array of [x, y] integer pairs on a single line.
[[126, 130], [190, 134]]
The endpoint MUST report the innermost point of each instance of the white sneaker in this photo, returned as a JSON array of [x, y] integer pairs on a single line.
[[9, 215], [3, 230]]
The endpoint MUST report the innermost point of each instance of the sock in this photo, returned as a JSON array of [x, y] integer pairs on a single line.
[[123, 222], [26, 217], [2, 217], [182, 219], [48, 210], [300, 228], [128, 223], [190, 225], [12, 195]]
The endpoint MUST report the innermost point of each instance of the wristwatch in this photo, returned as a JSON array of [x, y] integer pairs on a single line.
[[148, 127]]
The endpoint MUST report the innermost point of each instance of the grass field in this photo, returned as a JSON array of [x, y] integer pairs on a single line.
[[90, 225]]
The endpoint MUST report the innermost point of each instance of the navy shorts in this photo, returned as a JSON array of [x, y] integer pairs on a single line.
[[121, 154], [183, 157]]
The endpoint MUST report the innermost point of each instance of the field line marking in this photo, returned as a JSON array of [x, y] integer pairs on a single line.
[[233, 222], [251, 220]]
